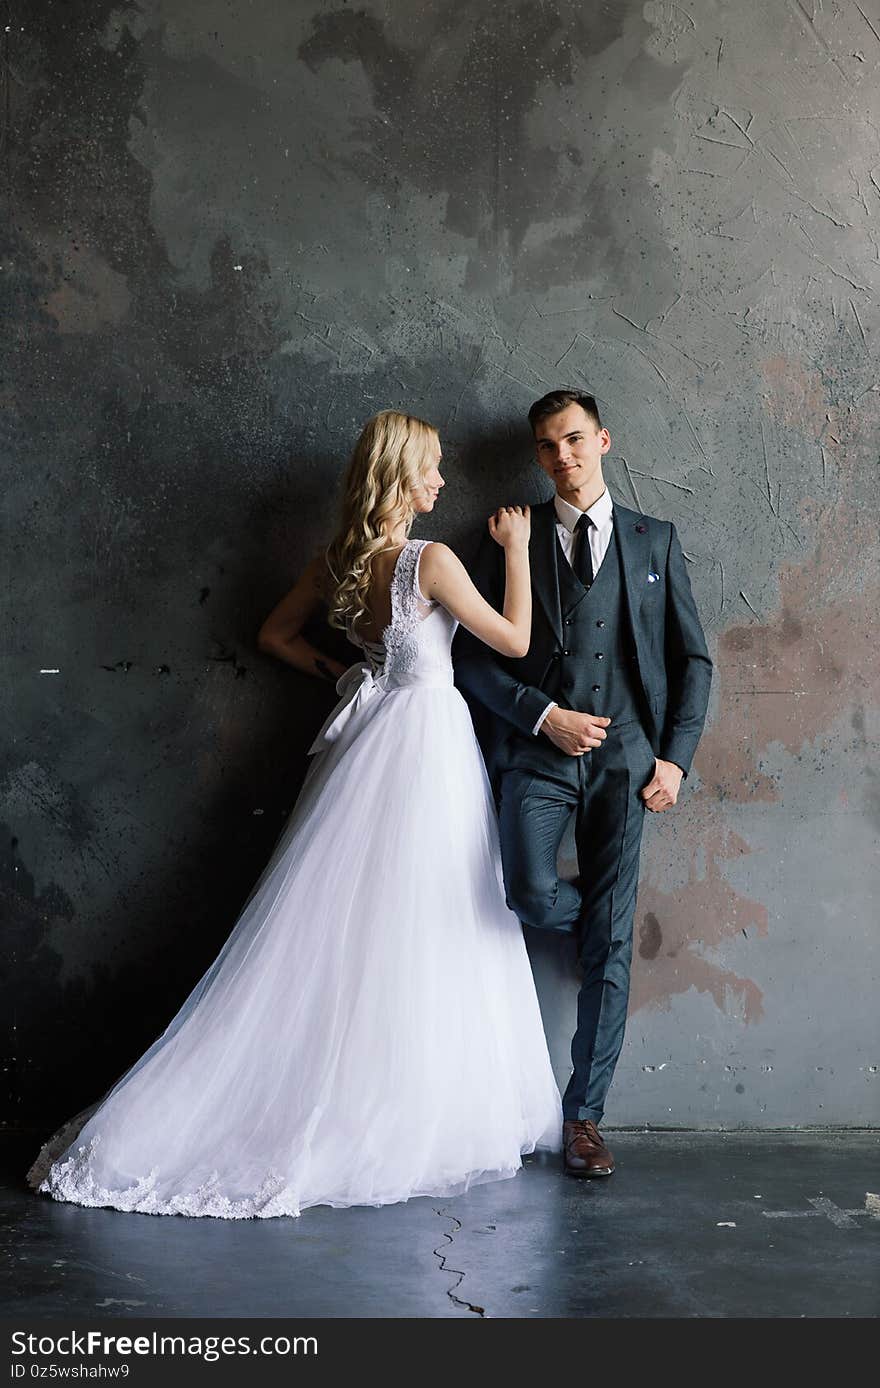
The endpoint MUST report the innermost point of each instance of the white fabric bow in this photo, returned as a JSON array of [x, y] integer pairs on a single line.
[[355, 687]]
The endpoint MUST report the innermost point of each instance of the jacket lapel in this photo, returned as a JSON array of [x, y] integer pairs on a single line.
[[571, 590], [635, 554], [545, 580]]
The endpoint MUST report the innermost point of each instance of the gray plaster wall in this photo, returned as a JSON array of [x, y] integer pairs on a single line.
[[236, 230]]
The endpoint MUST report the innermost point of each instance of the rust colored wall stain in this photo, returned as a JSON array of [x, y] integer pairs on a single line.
[[798, 397], [789, 679], [786, 680], [704, 911]]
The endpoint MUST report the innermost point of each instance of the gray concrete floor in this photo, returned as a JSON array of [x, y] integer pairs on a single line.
[[690, 1225]]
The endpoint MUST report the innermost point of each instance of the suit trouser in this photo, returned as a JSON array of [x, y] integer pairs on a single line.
[[602, 789]]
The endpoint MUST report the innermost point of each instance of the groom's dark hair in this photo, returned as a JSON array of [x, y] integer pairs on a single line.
[[556, 400]]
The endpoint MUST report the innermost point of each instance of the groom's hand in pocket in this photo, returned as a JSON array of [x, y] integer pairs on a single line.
[[574, 733]]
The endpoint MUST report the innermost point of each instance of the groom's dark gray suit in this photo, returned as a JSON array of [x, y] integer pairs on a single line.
[[630, 647]]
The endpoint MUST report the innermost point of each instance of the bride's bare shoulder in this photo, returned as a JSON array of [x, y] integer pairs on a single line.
[[436, 557], [439, 566]]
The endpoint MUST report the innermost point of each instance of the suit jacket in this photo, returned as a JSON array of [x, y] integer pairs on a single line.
[[506, 695]]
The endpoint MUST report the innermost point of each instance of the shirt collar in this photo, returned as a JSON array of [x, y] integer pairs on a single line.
[[568, 515]]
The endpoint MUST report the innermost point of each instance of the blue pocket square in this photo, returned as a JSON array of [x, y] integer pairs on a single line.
[[653, 578]]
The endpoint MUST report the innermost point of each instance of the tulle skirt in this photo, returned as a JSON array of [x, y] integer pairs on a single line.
[[369, 1031]]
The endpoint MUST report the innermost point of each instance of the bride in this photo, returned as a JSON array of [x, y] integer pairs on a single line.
[[370, 1029]]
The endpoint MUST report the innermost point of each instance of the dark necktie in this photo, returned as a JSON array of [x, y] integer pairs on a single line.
[[583, 559]]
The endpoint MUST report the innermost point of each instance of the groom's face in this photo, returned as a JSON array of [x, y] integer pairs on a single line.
[[570, 448]]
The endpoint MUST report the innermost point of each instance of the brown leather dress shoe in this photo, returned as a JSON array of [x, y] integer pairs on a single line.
[[584, 1150]]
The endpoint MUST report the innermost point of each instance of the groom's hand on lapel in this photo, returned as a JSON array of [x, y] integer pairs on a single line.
[[661, 792], [574, 733]]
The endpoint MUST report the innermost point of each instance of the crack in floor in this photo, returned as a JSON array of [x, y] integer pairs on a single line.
[[441, 1256]]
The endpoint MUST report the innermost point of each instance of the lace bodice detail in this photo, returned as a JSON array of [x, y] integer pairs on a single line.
[[410, 642]]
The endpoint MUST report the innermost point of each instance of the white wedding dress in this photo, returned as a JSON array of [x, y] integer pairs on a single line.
[[370, 1030]]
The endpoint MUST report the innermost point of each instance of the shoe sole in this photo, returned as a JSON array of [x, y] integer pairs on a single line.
[[588, 1175]]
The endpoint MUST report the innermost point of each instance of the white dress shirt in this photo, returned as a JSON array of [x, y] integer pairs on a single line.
[[598, 534]]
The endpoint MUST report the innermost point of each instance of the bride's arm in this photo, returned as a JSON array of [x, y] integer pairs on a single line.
[[280, 633], [444, 578]]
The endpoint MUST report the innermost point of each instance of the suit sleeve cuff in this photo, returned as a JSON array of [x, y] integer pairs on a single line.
[[678, 755], [537, 728]]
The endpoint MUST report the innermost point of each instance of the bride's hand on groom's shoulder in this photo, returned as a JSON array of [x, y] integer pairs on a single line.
[[511, 525]]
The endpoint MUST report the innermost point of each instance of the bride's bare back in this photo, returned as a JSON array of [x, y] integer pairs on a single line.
[[379, 599], [443, 579]]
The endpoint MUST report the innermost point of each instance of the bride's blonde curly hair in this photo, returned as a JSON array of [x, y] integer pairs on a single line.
[[389, 463]]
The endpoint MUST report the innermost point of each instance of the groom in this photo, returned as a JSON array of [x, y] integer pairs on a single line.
[[601, 718]]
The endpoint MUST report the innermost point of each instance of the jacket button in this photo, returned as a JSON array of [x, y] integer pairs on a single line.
[[595, 688], [566, 652], [600, 655], [600, 623], [568, 621]]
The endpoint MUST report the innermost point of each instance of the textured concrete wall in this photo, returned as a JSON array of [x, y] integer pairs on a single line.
[[237, 230]]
